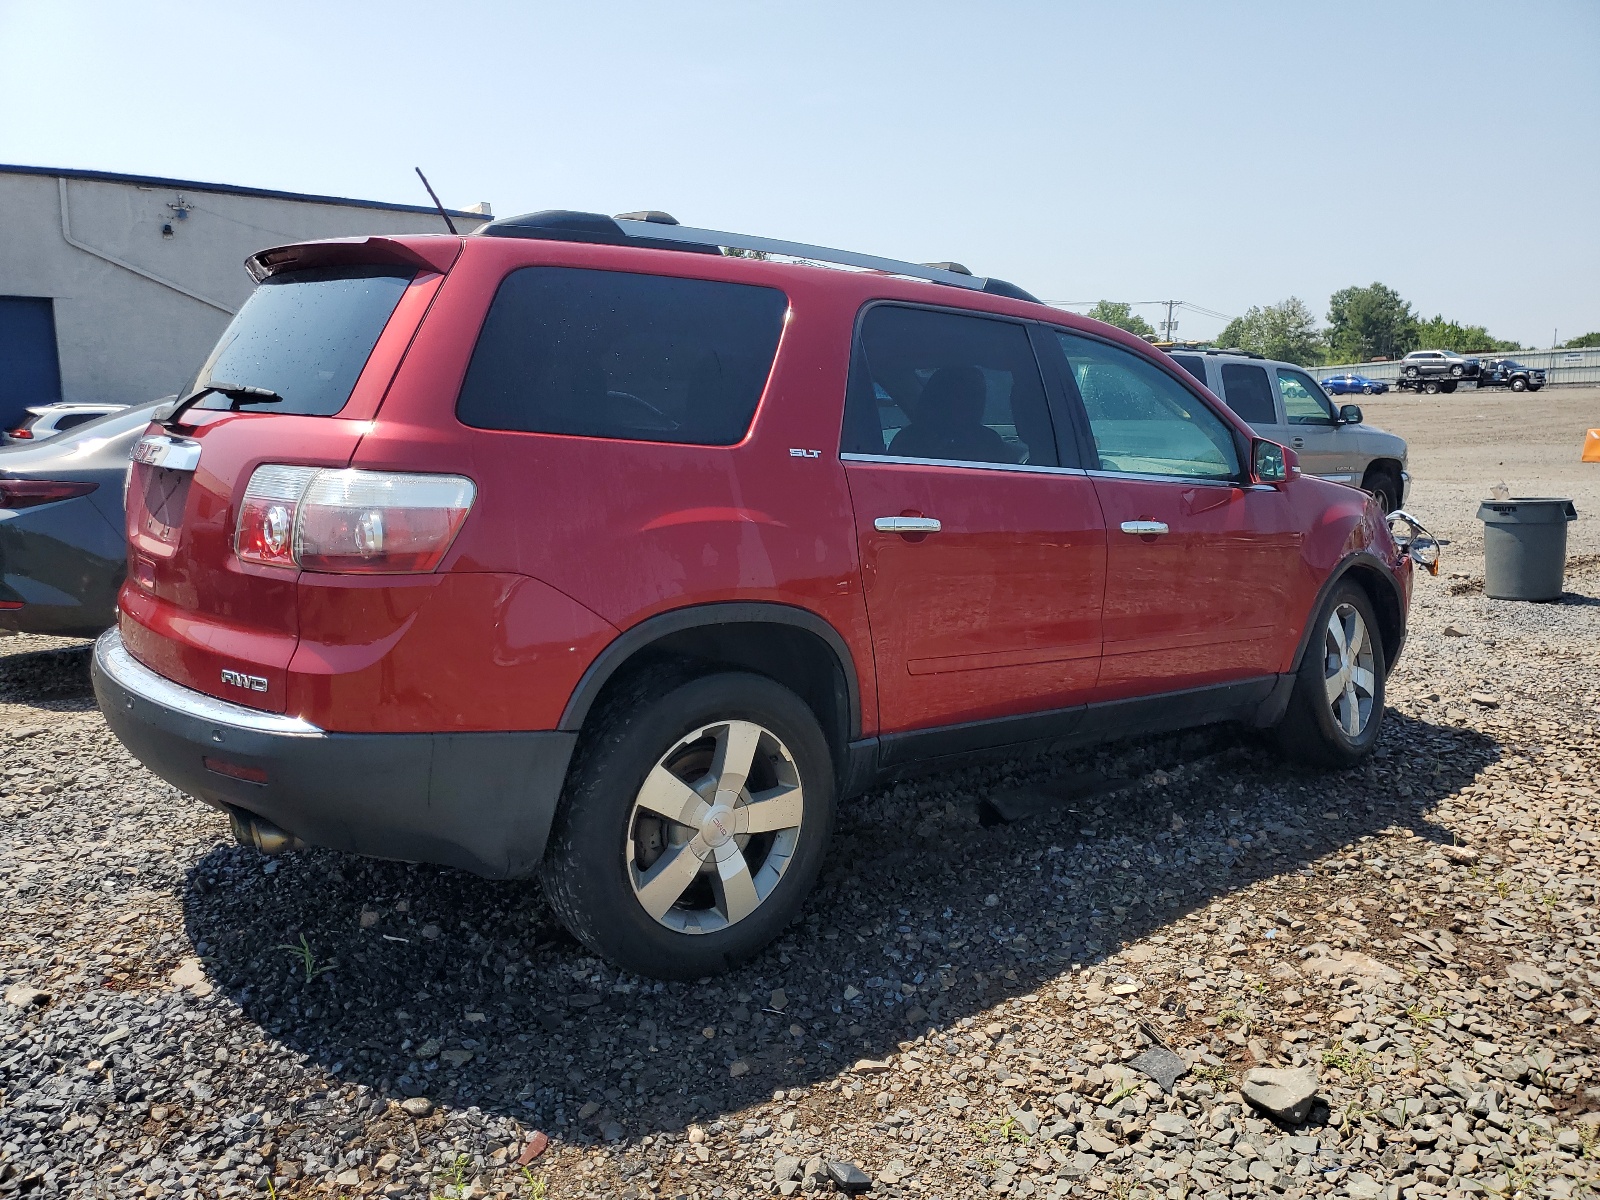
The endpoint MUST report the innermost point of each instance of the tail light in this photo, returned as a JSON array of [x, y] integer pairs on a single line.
[[350, 521], [22, 434], [25, 493]]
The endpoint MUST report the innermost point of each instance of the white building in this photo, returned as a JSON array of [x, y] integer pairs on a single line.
[[115, 287]]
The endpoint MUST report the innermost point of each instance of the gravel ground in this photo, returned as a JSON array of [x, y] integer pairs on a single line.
[[1411, 947]]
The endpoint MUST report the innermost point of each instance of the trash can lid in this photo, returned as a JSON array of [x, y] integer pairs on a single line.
[[1527, 510]]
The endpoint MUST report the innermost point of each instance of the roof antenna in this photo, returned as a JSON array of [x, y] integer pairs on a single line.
[[448, 223]]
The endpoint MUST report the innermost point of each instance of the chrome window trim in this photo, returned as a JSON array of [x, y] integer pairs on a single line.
[[112, 657], [1025, 468], [1194, 480]]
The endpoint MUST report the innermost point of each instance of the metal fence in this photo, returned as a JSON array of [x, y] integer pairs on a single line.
[[1561, 366]]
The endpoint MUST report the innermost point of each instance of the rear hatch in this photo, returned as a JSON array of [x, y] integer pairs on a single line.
[[304, 366]]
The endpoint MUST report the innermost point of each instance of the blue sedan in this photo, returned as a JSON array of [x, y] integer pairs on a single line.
[[1343, 385]]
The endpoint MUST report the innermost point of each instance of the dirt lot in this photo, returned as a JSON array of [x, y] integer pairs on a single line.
[[957, 1013]]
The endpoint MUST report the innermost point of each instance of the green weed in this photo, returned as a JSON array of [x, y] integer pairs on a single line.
[[307, 959]]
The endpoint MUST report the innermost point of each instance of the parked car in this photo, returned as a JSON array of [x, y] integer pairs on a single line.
[[556, 561], [1443, 367], [1344, 385], [1281, 402], [63, 552], [48, 420], [1509, 373]]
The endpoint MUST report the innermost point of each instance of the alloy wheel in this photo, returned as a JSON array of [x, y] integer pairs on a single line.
[[714, 827], [1349, 677]]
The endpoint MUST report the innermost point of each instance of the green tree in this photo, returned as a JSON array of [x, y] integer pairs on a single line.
[[1286, 331], [1114, 312], [1439, 334], [1588, 341], [1370, 322]]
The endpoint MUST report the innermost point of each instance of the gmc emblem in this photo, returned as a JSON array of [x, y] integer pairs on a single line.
[[250, 683]]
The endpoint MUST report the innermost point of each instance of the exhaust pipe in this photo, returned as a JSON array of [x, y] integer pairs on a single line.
[[251, 830]]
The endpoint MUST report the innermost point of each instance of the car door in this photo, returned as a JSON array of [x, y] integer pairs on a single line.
[[1311, 426], [982, 550], [1198, 559]]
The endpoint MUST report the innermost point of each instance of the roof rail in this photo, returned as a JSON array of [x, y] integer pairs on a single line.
[[658, 231]]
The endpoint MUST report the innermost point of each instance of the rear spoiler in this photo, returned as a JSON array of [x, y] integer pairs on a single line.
[[430, 254]]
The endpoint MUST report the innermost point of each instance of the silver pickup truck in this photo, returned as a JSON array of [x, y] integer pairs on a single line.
[[1283, 403]]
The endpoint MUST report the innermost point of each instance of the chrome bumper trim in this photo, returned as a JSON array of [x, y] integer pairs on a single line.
[[112, 658]]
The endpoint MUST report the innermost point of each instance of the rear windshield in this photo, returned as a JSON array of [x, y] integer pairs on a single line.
[[305, 335], [612, 354]]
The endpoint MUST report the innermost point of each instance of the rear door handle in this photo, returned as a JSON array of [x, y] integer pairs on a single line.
[[1144, 528], [907, 525]]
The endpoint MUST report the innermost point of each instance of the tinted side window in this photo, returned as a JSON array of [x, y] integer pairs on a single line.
[[1303, 401], [943, 386], [1145, 422], [1193, 364], [616, 355], [1249, 393], [71, 419]]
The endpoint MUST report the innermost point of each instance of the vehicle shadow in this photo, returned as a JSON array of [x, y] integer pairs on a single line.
[[466, 991], [55, 679]]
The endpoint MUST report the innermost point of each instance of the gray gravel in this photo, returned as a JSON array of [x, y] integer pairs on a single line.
[[956, 1014]]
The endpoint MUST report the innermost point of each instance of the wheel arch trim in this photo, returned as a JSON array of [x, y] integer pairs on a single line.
[[1368, 565], [704, 616]]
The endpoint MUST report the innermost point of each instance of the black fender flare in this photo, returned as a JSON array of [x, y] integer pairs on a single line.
[[699, 616]]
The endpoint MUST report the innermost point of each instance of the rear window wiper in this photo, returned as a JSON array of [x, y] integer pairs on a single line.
[[237, 393]]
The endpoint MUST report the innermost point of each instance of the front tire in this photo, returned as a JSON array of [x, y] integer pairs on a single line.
[[1385, 489], [695, 820], [1519, 385], [1366, 389], [1336, 709], [1457, 371]]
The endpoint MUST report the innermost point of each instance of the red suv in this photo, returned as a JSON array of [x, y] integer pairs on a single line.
[[582, 546]]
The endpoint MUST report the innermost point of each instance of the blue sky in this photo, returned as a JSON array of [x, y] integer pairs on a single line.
[[1227, 154]]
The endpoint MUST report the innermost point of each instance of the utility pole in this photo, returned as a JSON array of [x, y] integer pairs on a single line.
[[1169, 327]]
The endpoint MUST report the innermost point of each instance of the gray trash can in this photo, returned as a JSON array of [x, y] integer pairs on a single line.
[[1525, 547]]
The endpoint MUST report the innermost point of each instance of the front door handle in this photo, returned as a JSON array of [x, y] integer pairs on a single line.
[[1144, 528], [1298, 442], [907, 525]]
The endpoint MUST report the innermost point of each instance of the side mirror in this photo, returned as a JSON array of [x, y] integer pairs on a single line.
[[1269, 462], [1350, 414]]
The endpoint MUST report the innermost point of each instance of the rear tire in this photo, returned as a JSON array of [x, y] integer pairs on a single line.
[[1336, 710], [1411, 372], [658, 860], [1431, 387]]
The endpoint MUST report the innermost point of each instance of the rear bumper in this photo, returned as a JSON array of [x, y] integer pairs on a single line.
[[483, 802]]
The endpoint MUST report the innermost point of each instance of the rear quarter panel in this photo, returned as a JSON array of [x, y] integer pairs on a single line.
[[618, 531]]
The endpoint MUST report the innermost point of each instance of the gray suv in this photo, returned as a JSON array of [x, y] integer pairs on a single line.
[[1283, 403]]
